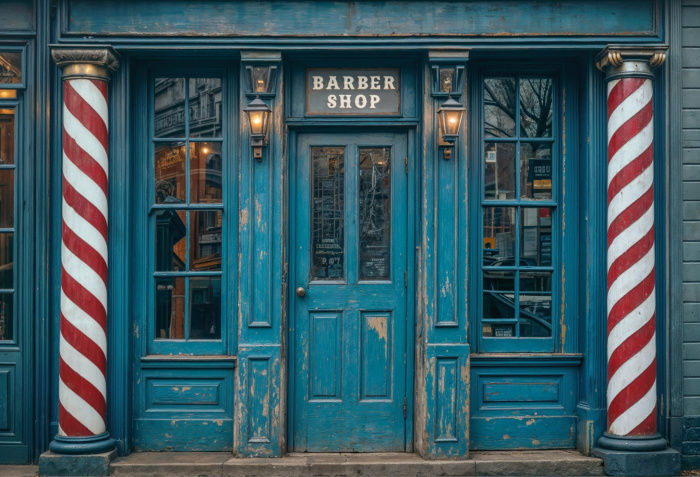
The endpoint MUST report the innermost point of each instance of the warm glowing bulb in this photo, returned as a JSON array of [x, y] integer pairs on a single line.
[[256, 120], [205, 150], [453, 120]]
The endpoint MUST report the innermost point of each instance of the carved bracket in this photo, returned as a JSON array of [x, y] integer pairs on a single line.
[[615, 56], [85, 61]]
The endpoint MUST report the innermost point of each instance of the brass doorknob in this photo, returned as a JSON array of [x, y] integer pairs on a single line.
[[301, 291]]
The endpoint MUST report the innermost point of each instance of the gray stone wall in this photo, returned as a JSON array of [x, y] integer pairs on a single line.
[[690, 59]]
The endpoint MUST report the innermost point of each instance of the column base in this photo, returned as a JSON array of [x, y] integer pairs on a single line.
[[82, 445], [637, 456], [51, 463]]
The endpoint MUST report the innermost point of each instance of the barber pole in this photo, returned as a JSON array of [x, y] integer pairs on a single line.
[[631, 282], [83, 340]]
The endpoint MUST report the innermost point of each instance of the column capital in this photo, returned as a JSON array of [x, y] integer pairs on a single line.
[[618, 61], [85, 61]]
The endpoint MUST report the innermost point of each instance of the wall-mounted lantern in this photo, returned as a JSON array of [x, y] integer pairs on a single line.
[[261, 80], [450, 116], [258, 120], [447, 80]]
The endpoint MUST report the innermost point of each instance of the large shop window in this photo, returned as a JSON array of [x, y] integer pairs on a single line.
[[187, 213], [521, 203]]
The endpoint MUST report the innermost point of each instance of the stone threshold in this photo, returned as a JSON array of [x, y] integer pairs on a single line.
[[222, 464]]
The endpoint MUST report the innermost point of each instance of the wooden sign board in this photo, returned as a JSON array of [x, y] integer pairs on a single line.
[[353, 92]]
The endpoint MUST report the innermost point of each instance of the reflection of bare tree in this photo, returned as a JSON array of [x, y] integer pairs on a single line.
[[500, 99]]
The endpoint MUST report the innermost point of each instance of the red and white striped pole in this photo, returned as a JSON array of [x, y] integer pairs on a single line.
[[82, 389], [631, 291]]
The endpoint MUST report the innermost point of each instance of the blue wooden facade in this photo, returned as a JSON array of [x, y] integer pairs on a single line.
[[480, 324]]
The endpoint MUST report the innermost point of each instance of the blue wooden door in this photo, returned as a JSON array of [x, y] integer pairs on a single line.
[[349, 289]]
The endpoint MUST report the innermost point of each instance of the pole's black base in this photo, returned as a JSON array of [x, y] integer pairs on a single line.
[[82, 445], [637, 456]]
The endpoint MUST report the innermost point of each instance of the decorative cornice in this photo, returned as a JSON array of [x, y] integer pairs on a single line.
[[615, 56], [85, 61]]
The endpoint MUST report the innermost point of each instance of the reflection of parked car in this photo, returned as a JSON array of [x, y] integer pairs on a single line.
[[535, 315], [502, 279]]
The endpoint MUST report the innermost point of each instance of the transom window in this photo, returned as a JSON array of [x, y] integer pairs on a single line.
[[520, 212], [187, 207]]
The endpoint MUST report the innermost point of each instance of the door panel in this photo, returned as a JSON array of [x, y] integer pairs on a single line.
[[349, 327]]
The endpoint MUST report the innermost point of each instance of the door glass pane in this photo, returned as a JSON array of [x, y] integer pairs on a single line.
[[10, 67], [205, 308], [499, 107], [499, 171], [536, 171], [169, 98], [171, 184], [171, 230], [328, 208], [7, 136], [170, 308], [205, 107], [375, 213], [205, 248], [536, 236], [535, 107], [205, 172]]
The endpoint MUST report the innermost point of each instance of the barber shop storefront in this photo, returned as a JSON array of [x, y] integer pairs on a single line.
[[263, 228]]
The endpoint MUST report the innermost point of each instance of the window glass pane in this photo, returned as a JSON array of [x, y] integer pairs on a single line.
[[169, 98], [170, 173], [171, 230], [536, 107], [375, 213], [499, 236], [499, 107], [7, 198], [205, 236], [535, 170], [531, 281], [205, 172], [499, 305], [7, 316], [498, 330], [535, 315], [205, 306], [170, 308], [10, 67], [536, 236], [499, 171], [328, 208], [205, 107], [7, 136], [7, 246], [501, 280]]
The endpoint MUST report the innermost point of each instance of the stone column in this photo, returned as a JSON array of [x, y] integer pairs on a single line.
[[631, 445], [83, 340]]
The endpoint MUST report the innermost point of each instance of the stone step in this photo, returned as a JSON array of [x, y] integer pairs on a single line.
[[221, 464]]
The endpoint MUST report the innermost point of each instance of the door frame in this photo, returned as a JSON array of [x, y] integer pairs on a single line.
[[412, 225]]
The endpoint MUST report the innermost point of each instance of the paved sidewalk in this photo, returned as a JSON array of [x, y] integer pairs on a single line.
[[222, 464]]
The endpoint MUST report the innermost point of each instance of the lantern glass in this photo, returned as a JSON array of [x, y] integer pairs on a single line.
[[446, 79], [256, 119], [260, 77], [450, 116]]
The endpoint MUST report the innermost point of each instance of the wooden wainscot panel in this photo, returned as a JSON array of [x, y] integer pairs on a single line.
[[392, 18], [168, 392], [522, 389], [5, 398]]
